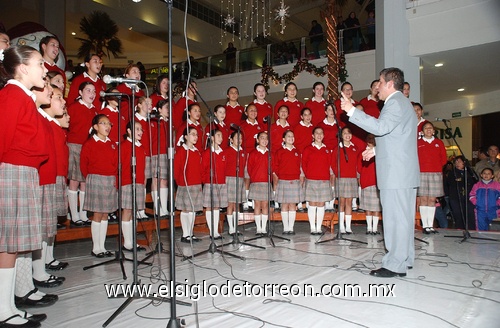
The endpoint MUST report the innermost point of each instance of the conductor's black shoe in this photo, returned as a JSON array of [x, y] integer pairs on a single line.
[[386, 273]]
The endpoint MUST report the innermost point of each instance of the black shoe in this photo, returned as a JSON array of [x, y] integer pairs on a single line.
[[25, 301], [186, 239], [434, 230], [108, 253], [78, 223], [139, 249], [218, 237], [195, 239], [34, 317], [27, 324], [291, 233], [98, 255], [349, 232], [61, 226], [53, 281], [56, 267], [198, 213], [369, 232], [385, 273], [375, 233], [427, 231]]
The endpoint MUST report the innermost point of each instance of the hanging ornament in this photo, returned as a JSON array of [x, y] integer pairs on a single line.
[[229, 20], [281, 14]]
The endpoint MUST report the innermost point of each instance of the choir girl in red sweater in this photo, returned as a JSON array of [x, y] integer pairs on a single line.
[[55, 78], [431, 158], [126, 183], [263, 107], [231, 176], [370, 196], [160, 90], [278, 128], [160, 160], [82, 112], [192, 120], [179, 110], [316, 165], [234, 111], [293, 104], [93, 65], [132, 71], [188, 176], [286, 174], [317, 103], [347, 178], [23, 149], [100, 176], [220, 124], [257, 168], [219, 191], [110, 109], [304, 130], [330, 128]]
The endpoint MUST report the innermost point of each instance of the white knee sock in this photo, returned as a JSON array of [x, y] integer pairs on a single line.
[[95, 229], [216, 223], [369, 222], [423, 216], [127, 234], [7, 305], [73, 205], [264, 222], [192, 216], [348, 219], [38, 263], [291, 219], [185, 224], [230, 223], [49, 256], [102, 235], [258, 223], [341, 222], [154, 195], [83, 214], [431, 211], [311, 214], [375, 223], [284, 219], [208, 217], [320, 217], [354, 203], [163, 201], [24, 277]]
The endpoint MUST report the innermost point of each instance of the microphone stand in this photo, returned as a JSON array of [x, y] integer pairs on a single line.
[[119, 256], [270, 231], [466, 234], [339, 236]]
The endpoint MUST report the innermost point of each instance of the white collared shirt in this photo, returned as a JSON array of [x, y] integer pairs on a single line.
[[318, 147], [114, 110], [283, 126], [328, 123], [86, 105], [26, 90], [303, 124], [260, 150], [314, 99], [96, 138], [430, 140], [90, 77], [137, 142], [47, 116], [140, 117], [256, 123]]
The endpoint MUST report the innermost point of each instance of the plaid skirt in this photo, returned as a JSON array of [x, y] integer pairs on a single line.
[[220, 195], [101, 195], [431, 184], [370, 199], [318, 191], [74, 172], [148, 173], [61, 201], [189, 198], [20, 209], [258, 191], [163, 166], [289, 192], [49, 218], [348, 188], [140, 194], [231, 190]]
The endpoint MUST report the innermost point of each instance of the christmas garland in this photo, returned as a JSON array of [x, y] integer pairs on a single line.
[[268, 72]]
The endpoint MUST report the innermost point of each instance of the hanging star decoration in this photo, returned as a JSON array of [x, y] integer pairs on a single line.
[[229, 20], [281, 14]]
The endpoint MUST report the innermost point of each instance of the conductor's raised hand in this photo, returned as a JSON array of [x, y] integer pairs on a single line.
[[345, 103], [368, 153]]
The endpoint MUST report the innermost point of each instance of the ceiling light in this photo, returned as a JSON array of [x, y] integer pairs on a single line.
[[306, 98], [130, 28], [136, 0], [439, 65], [461, 89], [73, 33]]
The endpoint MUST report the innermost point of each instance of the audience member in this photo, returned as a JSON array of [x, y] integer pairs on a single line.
[[492, 161], [316, 37]]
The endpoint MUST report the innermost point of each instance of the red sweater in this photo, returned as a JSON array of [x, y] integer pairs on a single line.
[[231, 158], [114, 116], [125, 103], [191, 164], [330, 140], [81, 122], [349, 165], [370, 106], [48, 170], [126, 156], [75, 85], [62, 150], [317, 110], [303, 136], [294, 108], [155, 98], [222, 127], [431, 156], [164, 137], [263, 110], [250, 132], [277, 136], [201, 136], [218, 165], [146, 128], [178, 110], [234, 114], [24, 141], [316, 163], [367, 172], [257, 166], [341, 116], [98, 157], [286, 163]]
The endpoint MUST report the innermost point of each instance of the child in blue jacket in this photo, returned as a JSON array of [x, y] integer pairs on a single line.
[[485, 195]]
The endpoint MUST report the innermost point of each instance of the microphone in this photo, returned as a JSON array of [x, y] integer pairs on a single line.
[[267, 118], [109, 79], [234, 126], [116, 94], [441, 119]]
